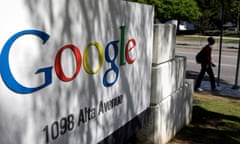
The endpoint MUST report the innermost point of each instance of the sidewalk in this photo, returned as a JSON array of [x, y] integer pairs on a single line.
[[216, 37], [200, 44], [224, 90]]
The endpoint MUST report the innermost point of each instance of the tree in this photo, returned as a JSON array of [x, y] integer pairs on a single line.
[[210, 18], [205, 14], [211, 11], [234, 12], [186, 10], [178, 9]]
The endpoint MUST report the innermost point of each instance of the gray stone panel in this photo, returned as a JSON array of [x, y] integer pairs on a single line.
[[164, 43], [167, 78], [163, 81], [168, 117]]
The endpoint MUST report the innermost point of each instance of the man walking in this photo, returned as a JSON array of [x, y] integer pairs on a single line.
[[205, 59]]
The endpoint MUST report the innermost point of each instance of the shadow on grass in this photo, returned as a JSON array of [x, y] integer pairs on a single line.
[[210, 128]]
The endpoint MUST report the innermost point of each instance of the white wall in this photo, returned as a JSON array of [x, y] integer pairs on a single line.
[[171, 93], [25, 117]]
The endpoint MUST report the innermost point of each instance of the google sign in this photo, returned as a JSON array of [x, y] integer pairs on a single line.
[[103, 54]]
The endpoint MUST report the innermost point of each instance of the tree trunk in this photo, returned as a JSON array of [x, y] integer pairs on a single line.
[[238, 17], [238, 21]]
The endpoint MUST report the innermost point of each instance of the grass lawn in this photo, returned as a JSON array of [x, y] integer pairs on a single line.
[[215, 120]]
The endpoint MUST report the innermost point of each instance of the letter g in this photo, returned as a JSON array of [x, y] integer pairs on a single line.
[[6, 73]]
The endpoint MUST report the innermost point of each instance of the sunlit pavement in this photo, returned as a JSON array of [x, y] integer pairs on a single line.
[[225, 90]]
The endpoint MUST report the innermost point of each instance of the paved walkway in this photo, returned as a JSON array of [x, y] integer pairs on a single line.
[[224, 90]]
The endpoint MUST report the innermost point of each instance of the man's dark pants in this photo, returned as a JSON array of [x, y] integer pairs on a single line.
[[206, 68]]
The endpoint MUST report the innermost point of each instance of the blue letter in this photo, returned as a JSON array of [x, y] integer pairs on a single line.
[[114, 67], [6, 73]]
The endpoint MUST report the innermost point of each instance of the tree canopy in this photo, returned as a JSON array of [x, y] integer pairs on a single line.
[[211, 18], [174, 9], [205, 14]]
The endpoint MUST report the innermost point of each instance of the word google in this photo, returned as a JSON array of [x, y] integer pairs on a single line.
[[15, 86]]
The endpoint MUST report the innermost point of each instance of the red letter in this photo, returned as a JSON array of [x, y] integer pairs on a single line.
[[128, 49], [58, 67]]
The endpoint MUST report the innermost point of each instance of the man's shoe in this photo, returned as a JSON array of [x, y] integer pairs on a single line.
[[198, 90]]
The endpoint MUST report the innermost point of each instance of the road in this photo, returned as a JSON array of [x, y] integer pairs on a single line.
[[228, 65]]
